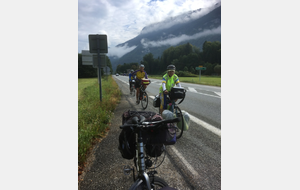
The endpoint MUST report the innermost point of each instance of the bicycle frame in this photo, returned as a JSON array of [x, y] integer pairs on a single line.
[[140, 163]]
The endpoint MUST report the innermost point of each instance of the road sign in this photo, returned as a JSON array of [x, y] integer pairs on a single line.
[[98, 44], [200, 68], [102, 61], [98, 41], [87, 57]]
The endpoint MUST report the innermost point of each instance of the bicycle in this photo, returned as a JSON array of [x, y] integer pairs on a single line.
[[132, 89], [145, 179], [174, 108], [143, 96]]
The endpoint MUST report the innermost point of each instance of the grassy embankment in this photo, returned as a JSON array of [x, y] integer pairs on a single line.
[[206, 80], [94, 117]]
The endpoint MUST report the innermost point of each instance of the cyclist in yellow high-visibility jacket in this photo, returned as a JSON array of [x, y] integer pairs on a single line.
[[169, 81]]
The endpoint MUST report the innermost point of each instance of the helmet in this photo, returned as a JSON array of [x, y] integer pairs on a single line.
[[142, 65], [171, 68], [131, 70]]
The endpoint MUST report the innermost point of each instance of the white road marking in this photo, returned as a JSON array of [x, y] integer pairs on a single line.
[[192, 89], [219, 93], [151, 97], [207, 95], [206, 125], [203, 123], [188, 166]]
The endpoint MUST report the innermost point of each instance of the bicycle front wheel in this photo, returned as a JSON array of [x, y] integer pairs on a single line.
[[155, 182], [180, 124], [144, 100]]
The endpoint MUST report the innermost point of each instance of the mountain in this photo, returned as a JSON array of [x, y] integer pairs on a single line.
[[194, 27]]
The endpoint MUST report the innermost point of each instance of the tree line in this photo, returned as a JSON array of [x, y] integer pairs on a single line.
[[185, 57], [88, 71]]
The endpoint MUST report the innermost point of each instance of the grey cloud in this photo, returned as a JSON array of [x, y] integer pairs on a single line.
[[176, 40], [177, 20], [120, 51]]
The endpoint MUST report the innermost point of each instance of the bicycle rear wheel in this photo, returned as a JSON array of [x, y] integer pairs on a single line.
[[144, 100], [180, 124], [133, 91], [155, 182]]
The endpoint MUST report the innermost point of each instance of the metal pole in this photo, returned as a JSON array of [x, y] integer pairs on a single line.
[[99, 70], [105, 66], [199, 75]]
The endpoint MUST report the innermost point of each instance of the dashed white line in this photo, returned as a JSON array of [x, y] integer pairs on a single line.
[[192, 89]]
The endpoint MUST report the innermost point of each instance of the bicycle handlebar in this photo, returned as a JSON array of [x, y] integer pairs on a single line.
[[150, 123]]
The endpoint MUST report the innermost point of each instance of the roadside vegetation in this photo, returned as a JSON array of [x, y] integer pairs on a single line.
[[94, 117]]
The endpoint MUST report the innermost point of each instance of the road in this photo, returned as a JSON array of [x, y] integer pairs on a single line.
[[194, 162]]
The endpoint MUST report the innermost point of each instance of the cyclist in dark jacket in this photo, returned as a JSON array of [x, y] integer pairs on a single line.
[[131, 77]]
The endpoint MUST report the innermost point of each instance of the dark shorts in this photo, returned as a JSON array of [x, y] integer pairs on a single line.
[[137, 84], [130, 83]]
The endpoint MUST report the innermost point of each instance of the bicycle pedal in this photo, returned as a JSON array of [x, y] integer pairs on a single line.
[[127, 169]]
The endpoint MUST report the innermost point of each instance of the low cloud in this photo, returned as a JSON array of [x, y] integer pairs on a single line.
[[177, 20], [176, 40], [120, 51]]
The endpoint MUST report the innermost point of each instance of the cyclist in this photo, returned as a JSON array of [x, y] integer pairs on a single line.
[[170, 79], [131, 77], [140, 73]]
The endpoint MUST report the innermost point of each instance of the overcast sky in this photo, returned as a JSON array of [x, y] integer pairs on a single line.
[[122, 20]]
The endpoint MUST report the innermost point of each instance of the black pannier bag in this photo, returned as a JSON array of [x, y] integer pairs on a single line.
[[154, 150], [154, 139], [127, 136], [177, 93], [127, 143], [156, 101]]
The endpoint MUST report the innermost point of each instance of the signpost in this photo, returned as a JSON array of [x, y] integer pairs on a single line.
[[200, 68], [98, 44]]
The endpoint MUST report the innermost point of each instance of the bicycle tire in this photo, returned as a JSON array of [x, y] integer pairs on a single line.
[[155, 182], [144, 100], [179, 131], [133, 91]]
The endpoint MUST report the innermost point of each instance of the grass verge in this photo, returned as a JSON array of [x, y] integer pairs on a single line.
[[94, 117]]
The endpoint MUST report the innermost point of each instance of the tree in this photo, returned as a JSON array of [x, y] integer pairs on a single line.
[[209, 69], [186, 68], [217, 69], [192, 70]]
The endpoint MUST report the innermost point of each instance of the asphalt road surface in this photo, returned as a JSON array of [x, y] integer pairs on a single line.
[[194, 162]]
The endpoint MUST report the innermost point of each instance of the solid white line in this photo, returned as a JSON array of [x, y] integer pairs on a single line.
[[188, 166], [203, 123], [206, 125]]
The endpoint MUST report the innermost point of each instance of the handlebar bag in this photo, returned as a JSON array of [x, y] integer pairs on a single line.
[[145, 81], [177, 93]]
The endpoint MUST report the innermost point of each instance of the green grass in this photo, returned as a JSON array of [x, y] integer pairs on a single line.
[[206, 80], [85, 82], [94, 117]]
